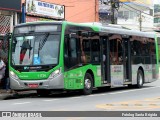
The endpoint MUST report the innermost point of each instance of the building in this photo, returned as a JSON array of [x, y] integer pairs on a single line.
[[136, 15], [157, 15], [77, 10], [11, 12], [132, 14]]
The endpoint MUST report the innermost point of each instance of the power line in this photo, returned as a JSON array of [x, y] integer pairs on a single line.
[[135, 9], [140, 15], [141, 2]]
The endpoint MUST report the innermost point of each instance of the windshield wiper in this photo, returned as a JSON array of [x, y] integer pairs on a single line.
[[43, 41]]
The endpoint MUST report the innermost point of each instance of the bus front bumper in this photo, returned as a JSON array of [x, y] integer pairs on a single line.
[[54, 83]]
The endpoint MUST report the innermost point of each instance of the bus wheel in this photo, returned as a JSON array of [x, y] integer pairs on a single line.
[[88, 84], [140, 79]]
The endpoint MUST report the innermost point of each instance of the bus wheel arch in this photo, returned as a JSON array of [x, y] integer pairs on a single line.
[[88, 82], [140, 77]]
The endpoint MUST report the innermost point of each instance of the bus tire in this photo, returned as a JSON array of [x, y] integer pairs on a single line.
[[88, 84], [140, 79]]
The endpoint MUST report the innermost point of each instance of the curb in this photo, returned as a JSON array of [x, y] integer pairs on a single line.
[[20, 94], [4, 96]]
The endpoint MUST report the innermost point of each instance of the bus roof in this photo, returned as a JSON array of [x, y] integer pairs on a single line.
[[39, 22], [97, 27]]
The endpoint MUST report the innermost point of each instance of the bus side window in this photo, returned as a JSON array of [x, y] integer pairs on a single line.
[[95, 50], [66, 56], [70, 52], [86, 58]]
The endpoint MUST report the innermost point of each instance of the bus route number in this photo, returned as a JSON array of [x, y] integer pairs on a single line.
[[42, 75]]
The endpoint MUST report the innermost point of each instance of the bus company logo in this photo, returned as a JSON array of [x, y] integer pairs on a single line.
[[37, 67]]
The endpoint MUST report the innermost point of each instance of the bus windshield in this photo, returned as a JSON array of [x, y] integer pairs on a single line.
[[35, 48]]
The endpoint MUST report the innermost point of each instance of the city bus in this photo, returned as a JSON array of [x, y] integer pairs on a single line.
[[66, 56]]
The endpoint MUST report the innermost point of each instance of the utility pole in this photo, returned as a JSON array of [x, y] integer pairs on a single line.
[[140, 21], [112, 12], [23, 13], [114, 6]]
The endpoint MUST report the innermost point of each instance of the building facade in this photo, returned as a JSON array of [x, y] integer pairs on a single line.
[[75, 10], [136, 15], [11, 12], [157, 15], [132, 14]]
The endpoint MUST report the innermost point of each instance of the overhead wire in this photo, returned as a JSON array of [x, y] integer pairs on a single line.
[[135, 9], [140, 1], [136, 13]]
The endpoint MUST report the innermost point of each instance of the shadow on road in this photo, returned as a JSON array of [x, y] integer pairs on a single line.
[[71, 93]]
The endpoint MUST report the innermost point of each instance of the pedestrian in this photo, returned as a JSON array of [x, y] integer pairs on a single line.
[[6, 78], [2, 68]]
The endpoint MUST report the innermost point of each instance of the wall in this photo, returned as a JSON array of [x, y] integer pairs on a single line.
[[78, 10]]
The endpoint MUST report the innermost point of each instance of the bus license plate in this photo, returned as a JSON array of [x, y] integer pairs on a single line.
[[33, 85]]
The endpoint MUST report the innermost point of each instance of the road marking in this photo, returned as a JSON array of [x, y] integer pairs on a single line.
[[21, 103], [132, 105], [132, 90], [50, 100], [128, 107]]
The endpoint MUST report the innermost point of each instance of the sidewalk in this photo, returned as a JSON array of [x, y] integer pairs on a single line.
[[5, 94], [11, 94]]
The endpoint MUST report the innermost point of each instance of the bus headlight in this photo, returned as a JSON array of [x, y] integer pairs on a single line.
[[55, 73], [12, 74]]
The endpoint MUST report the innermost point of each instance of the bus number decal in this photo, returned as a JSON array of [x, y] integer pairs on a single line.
[[42, 75]]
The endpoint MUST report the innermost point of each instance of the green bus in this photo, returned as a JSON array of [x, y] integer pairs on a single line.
[[61, 55]]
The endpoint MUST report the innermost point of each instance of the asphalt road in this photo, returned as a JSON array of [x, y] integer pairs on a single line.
[[115, 99]]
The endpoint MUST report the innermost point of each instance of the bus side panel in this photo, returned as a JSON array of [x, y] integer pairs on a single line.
[[74, 79], [97, 75], [117, 75]]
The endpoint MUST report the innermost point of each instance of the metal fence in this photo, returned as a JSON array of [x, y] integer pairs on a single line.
[[4, 24]]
